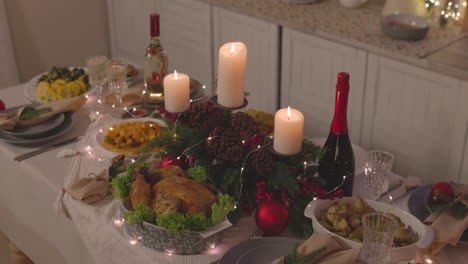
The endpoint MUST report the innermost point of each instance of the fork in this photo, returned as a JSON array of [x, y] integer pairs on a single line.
[[256, 235]]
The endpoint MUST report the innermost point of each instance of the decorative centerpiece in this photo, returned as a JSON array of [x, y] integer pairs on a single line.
[[230, 152]]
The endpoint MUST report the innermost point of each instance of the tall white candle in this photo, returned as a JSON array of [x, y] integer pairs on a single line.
[[289, 130], [231, 74], [176, 92]]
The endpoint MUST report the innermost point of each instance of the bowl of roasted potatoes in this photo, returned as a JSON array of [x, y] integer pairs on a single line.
[[343, 219]]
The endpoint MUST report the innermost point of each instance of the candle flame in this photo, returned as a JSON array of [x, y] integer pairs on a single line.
[[289, 112], [233, 48], [175, 75]]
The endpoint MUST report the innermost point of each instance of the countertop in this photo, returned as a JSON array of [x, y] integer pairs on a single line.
[[360, 28]]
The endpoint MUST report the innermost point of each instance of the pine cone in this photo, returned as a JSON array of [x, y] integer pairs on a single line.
[[205, 116], [225, 145], [243, 124], [262, 161]]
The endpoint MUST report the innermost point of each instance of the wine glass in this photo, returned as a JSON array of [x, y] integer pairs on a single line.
[[378, 233], [97, 74], [117, 79], [377, 168]]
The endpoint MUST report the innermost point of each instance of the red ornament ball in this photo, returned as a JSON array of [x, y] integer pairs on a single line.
[[442, 192], [171, 161], [271, 217], [2, 105]]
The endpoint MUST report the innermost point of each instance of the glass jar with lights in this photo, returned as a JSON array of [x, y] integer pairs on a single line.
[[446, 12]]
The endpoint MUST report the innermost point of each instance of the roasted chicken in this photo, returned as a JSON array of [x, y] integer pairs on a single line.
[[195, 197], [140, 192]]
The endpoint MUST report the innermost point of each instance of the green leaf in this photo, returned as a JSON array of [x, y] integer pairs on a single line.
[[198, 174], [141, 213], [177, 222], [280, 178], [115, 168], [293, 257], [221, 208], [31, 112], [121, 186]]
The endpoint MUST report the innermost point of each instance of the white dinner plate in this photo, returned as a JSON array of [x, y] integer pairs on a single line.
[[37, 130], [54, 133]]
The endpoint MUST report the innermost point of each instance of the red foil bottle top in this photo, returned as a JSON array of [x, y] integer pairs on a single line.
[[342, 82], [154, 25], [340, 123]]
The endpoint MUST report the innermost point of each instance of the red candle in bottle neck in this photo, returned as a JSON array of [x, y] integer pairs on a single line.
[[154, 22], [340, 124]]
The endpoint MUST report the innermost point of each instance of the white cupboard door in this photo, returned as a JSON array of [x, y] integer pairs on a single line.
[[129, 27], [186, 34], [416, 114], [463, 125], [309, 69], [262, 41]]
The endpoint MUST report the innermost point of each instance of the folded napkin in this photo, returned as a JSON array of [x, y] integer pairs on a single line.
[[333, 252], [11, 120], [447, 228], [90, 190], [130, 97]]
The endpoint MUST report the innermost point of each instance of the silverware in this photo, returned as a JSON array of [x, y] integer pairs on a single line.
[[45, 149], [408, 189], [256, 235], [393, 186]]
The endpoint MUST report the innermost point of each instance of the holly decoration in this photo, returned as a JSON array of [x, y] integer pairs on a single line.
[[271, 217], [2, 105], [442, 192]]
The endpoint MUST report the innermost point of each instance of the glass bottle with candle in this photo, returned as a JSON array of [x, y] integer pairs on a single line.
[[155, 64], [337, 164]]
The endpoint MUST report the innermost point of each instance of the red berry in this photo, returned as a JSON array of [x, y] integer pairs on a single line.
[[2, 105], [284, 196], [443, 192]]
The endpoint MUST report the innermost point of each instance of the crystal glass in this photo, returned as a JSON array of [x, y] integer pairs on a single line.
[[117, 79], [97, 74], [378, 231], [377, 168]]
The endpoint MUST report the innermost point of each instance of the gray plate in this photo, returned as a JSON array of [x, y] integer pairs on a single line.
[[417, 206], [259, 251], [37, 130], [56, 132]]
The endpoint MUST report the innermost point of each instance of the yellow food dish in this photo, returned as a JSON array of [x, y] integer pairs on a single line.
[[61, 83], [131, 137], [345, 220]]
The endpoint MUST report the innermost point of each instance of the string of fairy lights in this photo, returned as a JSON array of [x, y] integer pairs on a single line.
[[452, 10], [119, 222]]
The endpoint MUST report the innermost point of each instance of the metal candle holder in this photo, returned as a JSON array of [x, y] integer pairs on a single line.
[[214, 101]]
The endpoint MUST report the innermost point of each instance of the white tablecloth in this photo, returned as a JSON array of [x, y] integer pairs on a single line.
[[28, 190]]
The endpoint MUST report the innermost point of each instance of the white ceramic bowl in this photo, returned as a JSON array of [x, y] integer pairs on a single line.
[[406, 253]]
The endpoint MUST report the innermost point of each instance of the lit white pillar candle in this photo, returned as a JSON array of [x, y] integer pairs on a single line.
[[176, 92], [289, 130], [231, 74]]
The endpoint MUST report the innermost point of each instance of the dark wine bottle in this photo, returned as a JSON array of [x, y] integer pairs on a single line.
[[338, 160]]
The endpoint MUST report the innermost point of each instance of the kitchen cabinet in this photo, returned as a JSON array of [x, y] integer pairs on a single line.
[[186, 34], [418, 115], [129, 28], [308, 78], [262, 40]]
